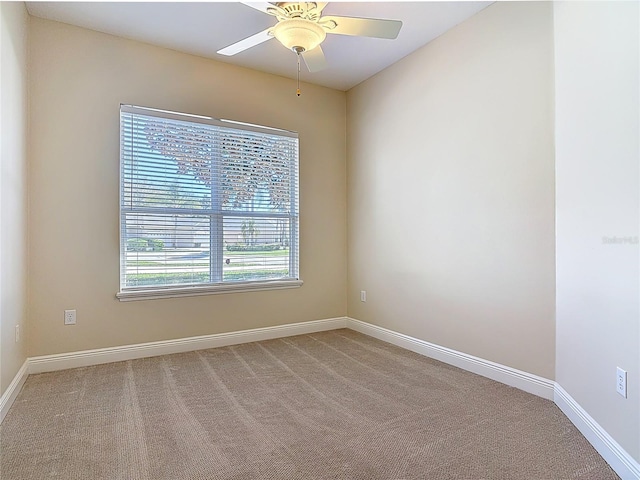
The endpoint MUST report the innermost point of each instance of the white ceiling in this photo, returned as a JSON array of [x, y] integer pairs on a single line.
[[203, 28]]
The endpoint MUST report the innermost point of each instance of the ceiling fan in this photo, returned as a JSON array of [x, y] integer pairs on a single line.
[[302, 28]]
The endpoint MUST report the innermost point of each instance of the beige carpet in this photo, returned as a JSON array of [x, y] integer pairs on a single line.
[[331, 405]]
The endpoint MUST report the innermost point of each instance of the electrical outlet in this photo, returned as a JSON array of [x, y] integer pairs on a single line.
[[363, 295], [69, 317], [621, 382], [17, 333]]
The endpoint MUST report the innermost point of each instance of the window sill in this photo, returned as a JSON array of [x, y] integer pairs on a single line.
[[174, 292]]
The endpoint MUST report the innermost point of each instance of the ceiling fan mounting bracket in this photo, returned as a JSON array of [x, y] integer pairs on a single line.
[[287, 10]]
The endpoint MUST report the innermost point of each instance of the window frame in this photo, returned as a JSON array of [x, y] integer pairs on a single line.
[[219, 287]]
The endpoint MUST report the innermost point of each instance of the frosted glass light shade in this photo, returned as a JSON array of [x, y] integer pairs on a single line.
[[297, 32]]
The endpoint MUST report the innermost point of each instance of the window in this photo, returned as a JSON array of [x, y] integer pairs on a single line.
[[206, 205]]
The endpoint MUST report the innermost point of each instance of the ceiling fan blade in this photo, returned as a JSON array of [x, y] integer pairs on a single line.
[[365, 27], [248, 42], [266, 7], [320, 6], [315, 59], [260, 6]]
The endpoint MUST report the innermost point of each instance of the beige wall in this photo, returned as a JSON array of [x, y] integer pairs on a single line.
[[78, 79], [450, 184], [597, 185], [13, 188]]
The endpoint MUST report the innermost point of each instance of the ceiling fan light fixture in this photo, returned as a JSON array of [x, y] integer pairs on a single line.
[[298, 33]]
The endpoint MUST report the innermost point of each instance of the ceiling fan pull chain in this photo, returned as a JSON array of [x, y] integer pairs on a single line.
[[298, 90]]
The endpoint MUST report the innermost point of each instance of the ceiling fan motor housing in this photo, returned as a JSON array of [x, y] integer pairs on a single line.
[[308, 10]]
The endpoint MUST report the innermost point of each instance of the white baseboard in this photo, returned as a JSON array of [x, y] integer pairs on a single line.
[[528, 382], [62, 361], [616, 456], [12, 391]]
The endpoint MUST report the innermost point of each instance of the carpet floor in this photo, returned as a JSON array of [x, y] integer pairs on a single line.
[[330, 405]]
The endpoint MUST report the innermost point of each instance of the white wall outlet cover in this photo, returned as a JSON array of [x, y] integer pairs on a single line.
[[621, 382], [69, 317]]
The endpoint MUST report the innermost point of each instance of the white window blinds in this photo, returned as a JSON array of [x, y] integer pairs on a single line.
[[205, 201]]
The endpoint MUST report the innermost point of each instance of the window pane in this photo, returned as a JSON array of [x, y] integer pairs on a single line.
[[256, 248], [205, 201], [256, 172], [166, 249], [157, 172]]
